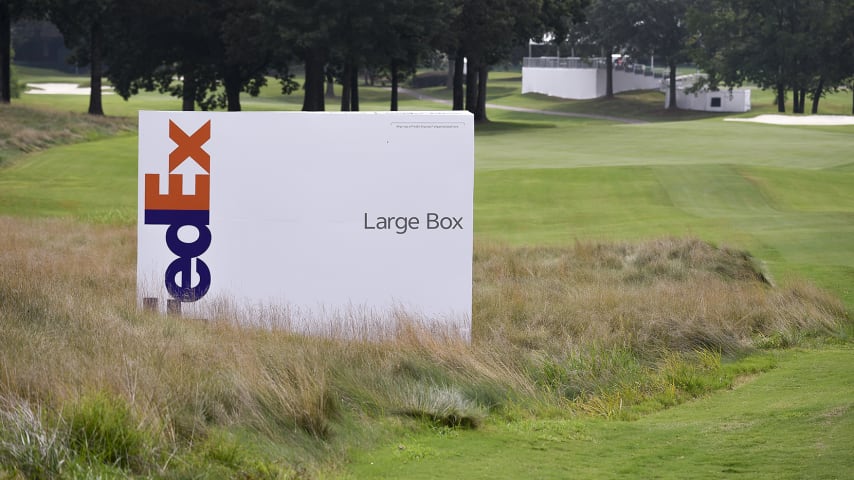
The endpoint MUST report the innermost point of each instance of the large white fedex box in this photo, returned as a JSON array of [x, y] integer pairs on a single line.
[[318, 216]]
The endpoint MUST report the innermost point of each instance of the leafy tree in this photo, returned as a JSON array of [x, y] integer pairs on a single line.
[[247, 43], [12, 10], [176, 46], [485, 32], [353, 41], [661, 26], [82, 23], [5, 52], [204, 52], [306, 27], [609, 26], [488, 30], [409, 29], [803, 46]]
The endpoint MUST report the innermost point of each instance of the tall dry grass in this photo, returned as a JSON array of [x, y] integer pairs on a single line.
[[674, 294], [26, 129], [553, 329]]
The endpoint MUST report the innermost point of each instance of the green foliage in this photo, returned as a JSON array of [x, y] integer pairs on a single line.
[[811, 44], [221, 455], [102, 430]]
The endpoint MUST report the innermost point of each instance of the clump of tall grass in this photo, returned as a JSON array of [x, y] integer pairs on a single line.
[[605, 329], [26, 444], [446, 406]]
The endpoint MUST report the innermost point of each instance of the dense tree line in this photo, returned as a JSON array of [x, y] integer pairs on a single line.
[[799, 46], [208, 52], [805, 47]]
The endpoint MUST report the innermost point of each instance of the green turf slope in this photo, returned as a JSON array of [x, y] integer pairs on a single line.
[[796, 421]]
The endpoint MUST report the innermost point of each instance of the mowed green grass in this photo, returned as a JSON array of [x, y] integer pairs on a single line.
[[93, 181], [769, 427], [270, 98], [784, 193]]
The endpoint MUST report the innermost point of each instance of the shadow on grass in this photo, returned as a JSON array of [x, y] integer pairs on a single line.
[[497, 127], [646, 105]]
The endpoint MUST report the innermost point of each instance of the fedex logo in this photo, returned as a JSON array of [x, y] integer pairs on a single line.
[[179, 210]]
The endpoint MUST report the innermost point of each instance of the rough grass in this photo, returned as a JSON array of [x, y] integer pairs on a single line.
[[601, 329], [668, 294], [25, 130]]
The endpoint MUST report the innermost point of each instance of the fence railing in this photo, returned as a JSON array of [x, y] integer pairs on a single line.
[[563, 62], [595, 62]]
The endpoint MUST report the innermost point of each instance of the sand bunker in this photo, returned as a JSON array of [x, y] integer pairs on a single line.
[[798, 120], [62, 89]]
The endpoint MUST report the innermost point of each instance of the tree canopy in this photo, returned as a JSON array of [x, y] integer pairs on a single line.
[[209, 52], [803, 46]]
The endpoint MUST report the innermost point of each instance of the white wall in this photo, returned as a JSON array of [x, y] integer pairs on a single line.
[[735, 101], [582, 83], [587, 83], [627, 81], [574, 83]]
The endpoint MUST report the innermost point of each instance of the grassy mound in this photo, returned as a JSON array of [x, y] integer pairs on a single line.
[[25, 130], [602, 329]]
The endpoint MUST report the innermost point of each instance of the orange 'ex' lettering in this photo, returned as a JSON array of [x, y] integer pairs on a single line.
[[188, 146]]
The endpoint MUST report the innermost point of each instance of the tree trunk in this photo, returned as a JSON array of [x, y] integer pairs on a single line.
[[458, 81], [609, 75], [96, 38], [781, 98], [802, 101], [672, 105], [354, 93], [347, 87], [816, 96], [330, 85], [471, 86], [5, 53], [798, 101], [188, 92], [480, 110], [313, 101], [452, 60], [232, 88], [394, 85]]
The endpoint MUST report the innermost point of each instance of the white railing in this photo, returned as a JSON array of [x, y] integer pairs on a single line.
[[595, 62], [563, 62]]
